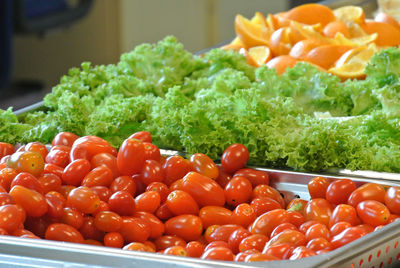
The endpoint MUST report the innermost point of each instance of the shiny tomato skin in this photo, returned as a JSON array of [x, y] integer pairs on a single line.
[[238, 191], [152, 172], [301, 252], [108, 221], [134, 229], [58, 157], [27, 180], [176, 251], [26, 161], [260, 257], [253, 241], [6, 177], [347, 236], [137, 246], [281, 227], [263, 190], [211, 215], [344, 212], [373, 212], [241, 256], [222, 232], [147, 201], [318, 244], [114, 240], [152, 152], [124, 183], [167, 241], [180, 202], [37, 147], [11, 217], [188, 227], [31, 201], [72, 217], [143, 136], [236, 237], [204, 165], [175, 168], [339, 227], [161, 188], [105, 159], [267, 222], [130, 158], [244, 214], [89, 146], [338, 191], [392, 199], [255, 176], [53, 169], [288, 236], [122, 203], [63, 232], [156, 225], [102, 192], [281, 251], [50, 182], [223, 177], [163, 212], [296, 218], [234, 157], [262, 205], [83, 199], [218, 253], [64, 138], [320, 210], [194, 249], [318, 230], [99, 176], [6, 199], [298, 205], [6, 149], [205, 191], [55, 206], [317, 187], [368, 191], [75, 172]]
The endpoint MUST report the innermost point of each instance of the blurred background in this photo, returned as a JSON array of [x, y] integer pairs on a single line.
[[41, 39]]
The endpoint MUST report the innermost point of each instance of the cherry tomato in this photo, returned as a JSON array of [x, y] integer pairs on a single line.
[[31, 201], [338, 191], [281, 227], [368, 191], [194, 249], [222, 232], [236, 237], [296, 218], [318, 244], [30, 162], [256, 177], [114, 240], [55, 206], [218, 253], [320, 210], [6, 149], [167, 241], [317, 187], [163, 212], [176, 185], [373, 212], [148, 201], [238, 191], [392, 199], [211, 215], [288, 236], [204, 165], [108, 221], [143, 136], [6, 199], [298, 205], [64, 138], [159, 187], [223, 177], [72, 217], [122, 203], [152, 172], [63, 232], [11, 217], [137, 246], [152, 152], [175, 168], [234, 157], [301, 252], [134, 229], [6, 176], [99, 176], [83, 199], [262, 205], [156, 226], [176, 250], [38, 147], [49, 182], [263, 190], [241, 256], [102, 192], [347, 236], [180, 202], [343, 212], [53, 169], [281, 251], [75, 172], [58, 157], [124, 183], [130, 158], [254, 241], [27, 180], [255, 257], [205, 191], [339, 227], [105, 159], [65, 190], [88, 146], [244, 214], [318, 230], [267, 222], [61, 148], [188, 227]]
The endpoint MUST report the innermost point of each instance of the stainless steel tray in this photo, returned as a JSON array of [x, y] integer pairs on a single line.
[[371, 250]]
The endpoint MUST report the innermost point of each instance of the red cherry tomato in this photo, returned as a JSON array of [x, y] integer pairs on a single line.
[[281, 227], [64, 138], [204, 190], [218, 253], [222, 233], [58, 157], [320, 210], [72, 217], [301, 252], [55, 206], [347, 236], [156, 226], [53, 169], [238, 191], [6, 149], [37, 147], [288, 236], [256, 257], [102, 192], [338, 191], [317, 187], [134, 229], [147, 201], [211, 215], [130, 158], [75, 172], [343, 212], [27, 180], [204, 165], [152, 152], [105, 159], [234, 157], [194, 249], [88, 146], [108, 221], [368, 191], [122, 203], [244, 214], [373, 212], [339, 227], [236, 237], [114, 240], [176, 250], [262, 205], [49, 182], [63, 232], [6, 199], [180, 202], [31, 201], [318, 230], [11, 217], [318, 243], [223, 177], [99, 176], [188, 227], [159, 187], [124, 183], [263, 190], [254, 241], [267, 222], [175, 168], [256, 177], [167, 241], [152, 172], [282, 251], [6, 177], [83, 199], [30, 162], [392, 199], [143, 136]]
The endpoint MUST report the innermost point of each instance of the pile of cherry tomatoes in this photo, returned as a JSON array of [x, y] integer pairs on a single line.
[[82, 190]]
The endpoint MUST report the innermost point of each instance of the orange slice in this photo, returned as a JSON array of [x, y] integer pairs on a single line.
[[259, 19], [301, 48], [281, 63], [326, 56], [251, 34], [349, 71], [310, 32], [236, 44], [388, 35], [334, 27], [350, 14], [260, 55], [280, 42], [311, 14], [356, 41]]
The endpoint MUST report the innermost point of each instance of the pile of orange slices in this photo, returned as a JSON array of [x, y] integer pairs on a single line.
[[340, 41]]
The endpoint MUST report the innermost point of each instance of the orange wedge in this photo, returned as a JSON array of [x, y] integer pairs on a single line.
[[259, 19], [356, 41], [310, 32], [280, 42], [388, 35], [350, 14], [349, 71], [281, 63], [334, 27], [236, 44], [251, 34], [301, 48], [311, 14], [384, 17], [326, 56], [259, 55]]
